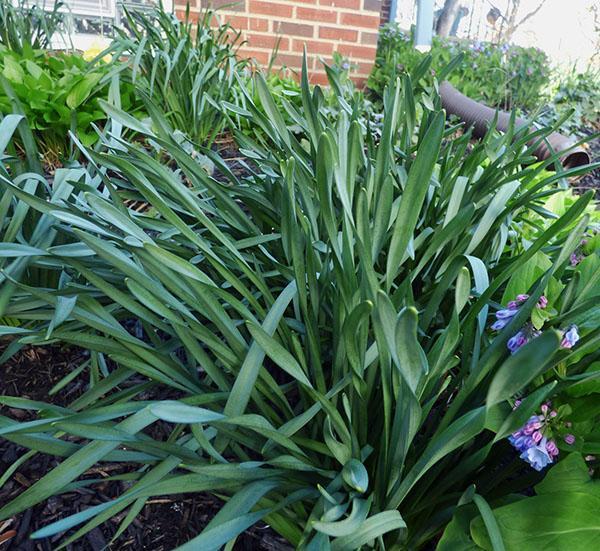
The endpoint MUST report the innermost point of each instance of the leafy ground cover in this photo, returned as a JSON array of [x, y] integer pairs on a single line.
[[505, 76], [57, 93], [356, 325]]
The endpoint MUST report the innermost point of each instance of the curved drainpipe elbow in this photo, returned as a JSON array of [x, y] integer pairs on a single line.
[[479, 116]]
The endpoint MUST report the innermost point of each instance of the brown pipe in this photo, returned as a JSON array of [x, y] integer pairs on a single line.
[[479, 116]]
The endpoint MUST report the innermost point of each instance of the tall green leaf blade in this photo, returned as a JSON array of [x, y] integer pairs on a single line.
[[413, 196]]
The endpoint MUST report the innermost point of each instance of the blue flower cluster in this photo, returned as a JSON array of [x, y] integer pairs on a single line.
[[532, 442], [528, 332]]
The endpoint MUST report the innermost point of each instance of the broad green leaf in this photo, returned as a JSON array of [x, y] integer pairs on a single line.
[[456, 536], [560, 520], [570, 474], [81, 91]]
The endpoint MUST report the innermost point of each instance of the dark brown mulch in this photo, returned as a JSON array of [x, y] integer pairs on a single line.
[[164, 523], [227, 149]]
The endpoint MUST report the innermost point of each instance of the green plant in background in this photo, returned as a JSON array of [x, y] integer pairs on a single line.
[[188, 69], [287, 95], [580, 92], [57, 92], [505, 76], [325, 321], [25, 27]]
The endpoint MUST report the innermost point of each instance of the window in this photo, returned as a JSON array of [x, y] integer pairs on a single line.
[[90, 22]]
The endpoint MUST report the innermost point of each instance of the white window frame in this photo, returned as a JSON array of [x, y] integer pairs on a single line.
[[98, 9]]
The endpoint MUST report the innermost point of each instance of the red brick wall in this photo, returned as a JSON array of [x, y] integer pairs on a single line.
[[324, 26]]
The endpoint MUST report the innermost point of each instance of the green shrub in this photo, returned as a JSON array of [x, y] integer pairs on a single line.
[[57, 92], [324, 321], [499, 75], [579, 91]]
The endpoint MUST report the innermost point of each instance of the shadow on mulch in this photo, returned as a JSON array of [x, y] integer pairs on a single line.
[[163, 524]]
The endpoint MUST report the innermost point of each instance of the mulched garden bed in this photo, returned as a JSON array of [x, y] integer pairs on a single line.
[[164, 523]]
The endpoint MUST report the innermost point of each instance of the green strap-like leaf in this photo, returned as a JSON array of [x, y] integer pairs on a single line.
[[521, 368], [244, 383], [369, 530], [413, 196]]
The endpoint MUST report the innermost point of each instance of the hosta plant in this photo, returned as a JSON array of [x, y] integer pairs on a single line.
[[322, 325], [58, 93]]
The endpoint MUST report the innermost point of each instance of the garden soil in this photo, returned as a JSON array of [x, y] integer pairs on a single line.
[[164, 523]]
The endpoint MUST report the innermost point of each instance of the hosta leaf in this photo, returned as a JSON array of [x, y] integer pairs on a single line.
[[81, 91], [560, 520]]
